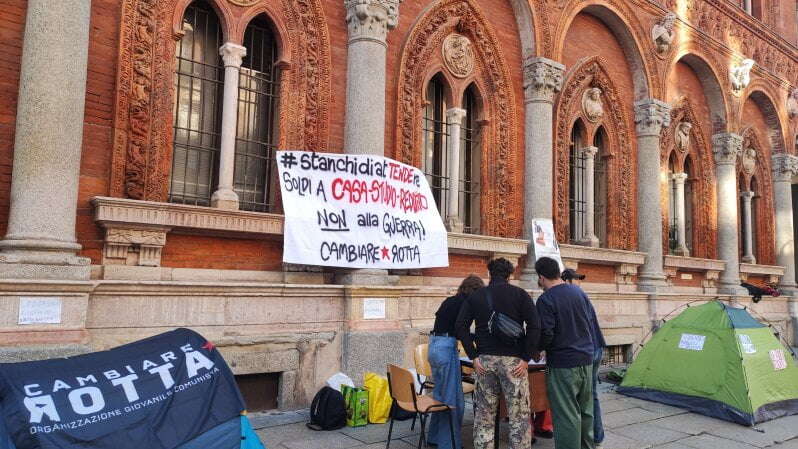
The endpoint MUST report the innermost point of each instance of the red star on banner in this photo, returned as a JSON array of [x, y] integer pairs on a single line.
[[208, 346], [385, 253]]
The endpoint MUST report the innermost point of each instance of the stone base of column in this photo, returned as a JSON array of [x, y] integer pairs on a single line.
[[365, 277], [652, 283], [529, 279], [748, 259], [682, 252], [42, 259], [224, 199], [591, 241]]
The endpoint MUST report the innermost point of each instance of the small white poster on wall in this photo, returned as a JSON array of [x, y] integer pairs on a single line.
[[39, 310], [692, 342], [374, 309], [544, 240]]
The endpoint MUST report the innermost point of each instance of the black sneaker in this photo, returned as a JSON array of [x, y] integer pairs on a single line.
[[544, 434], [534, 440]]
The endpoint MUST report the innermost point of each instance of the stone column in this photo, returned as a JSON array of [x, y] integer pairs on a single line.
[[784, 168], [651, 116], [47, 145], [681, 231], [590, 239], [454, 118], [225, 197], [727, 147], [368, 22], [748, 237], [542, 80]]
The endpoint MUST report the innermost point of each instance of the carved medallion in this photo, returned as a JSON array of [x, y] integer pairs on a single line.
[[243, 2], [681, 136], [458, 55], [749, 160], [592, 106]]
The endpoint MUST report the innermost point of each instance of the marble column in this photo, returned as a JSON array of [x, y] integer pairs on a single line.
[[225, 196], [40, 240], [651, 116], [727, 148], [542, 80], [681, 220], [454, 119], [368, 23], [748, 235], [785, 167], [589, 238]]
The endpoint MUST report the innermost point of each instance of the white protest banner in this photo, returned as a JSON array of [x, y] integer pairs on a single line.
[[358, 211], [545, 241]]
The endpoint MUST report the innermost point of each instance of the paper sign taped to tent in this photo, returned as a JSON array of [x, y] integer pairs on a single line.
[[359, 211], [746, 344], [692, 342], [777, 359]]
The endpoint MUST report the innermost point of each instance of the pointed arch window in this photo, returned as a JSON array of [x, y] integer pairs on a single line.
[[258, 119], [576, 191], [435, 138], [689, 209], [673, 220], [470, 163], [601, 187], [199, 76]]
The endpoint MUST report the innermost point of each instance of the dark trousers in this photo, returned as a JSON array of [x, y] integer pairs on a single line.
[[571, 397]]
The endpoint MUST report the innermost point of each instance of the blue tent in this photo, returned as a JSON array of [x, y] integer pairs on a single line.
[[170, 391]]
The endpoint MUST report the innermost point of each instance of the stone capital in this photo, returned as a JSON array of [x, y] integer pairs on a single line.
[[785, 166], [589, 152], [542, 79], [232, 54], [727, 147], [455, 116], [371, 19], [679, 178], [747, 196], [651, 115]]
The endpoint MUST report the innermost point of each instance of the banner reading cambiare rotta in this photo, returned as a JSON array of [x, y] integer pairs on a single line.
[[358, 211]]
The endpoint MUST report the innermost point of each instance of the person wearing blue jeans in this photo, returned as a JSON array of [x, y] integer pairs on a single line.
[[444, 359]]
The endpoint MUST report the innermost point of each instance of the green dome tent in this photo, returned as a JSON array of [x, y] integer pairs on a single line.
[[719, 361]]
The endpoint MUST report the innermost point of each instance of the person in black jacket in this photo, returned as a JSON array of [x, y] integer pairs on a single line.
[[501, 368], [569, 337]]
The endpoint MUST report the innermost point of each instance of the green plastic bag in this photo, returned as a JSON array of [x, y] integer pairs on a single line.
[[357, 405]]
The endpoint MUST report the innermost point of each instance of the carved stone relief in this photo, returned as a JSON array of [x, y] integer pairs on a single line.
[[458, 55], [592, 106], [663, 33], [740, 74], [681, 136], [792, 103], [748, 160]]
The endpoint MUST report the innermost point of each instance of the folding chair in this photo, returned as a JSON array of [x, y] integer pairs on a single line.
[[403, 393]]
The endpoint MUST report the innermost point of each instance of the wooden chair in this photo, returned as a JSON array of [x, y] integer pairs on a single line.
[[403, 393], [423, 368]]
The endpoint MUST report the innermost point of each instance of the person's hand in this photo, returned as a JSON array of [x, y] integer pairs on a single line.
[[478, 367], [520, 370]]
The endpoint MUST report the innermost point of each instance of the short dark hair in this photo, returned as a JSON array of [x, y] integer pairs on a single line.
[[470, 284], [500, 268], [548, 268]]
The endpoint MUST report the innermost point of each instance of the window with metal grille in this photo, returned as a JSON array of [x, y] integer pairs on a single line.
[[688, 203], [616, 355], [199, 76], [256, 133], [754, 212], [600, 191], [576, 191], [436, 134], [470, 164], [673, 222]]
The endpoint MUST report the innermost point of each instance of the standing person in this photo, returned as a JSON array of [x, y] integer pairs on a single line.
[[501, 367], [566, 317], [570, 276], [445, 362]]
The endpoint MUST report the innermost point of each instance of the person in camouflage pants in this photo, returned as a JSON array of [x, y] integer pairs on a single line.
[[498, 378]]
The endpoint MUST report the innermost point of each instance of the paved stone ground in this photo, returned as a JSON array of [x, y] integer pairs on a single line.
[[630, 424]]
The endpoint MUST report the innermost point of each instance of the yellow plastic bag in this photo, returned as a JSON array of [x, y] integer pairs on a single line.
[[379, 397]]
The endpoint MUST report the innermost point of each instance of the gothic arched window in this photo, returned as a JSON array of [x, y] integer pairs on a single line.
[[258, 119], [601, 188], [576, 190], [199, 76], [436, 133], [470, 163], [689, 210]]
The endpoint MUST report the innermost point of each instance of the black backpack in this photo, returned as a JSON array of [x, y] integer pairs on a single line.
[[328, 411]]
